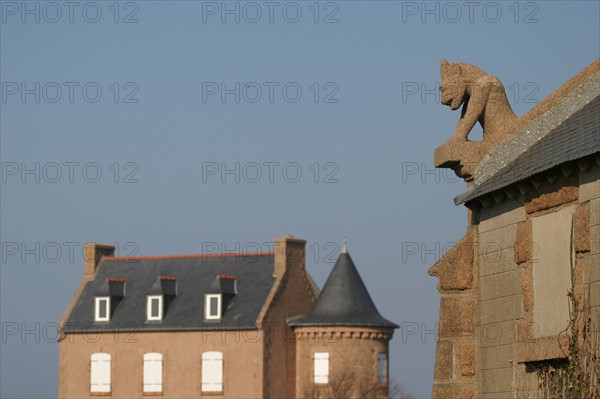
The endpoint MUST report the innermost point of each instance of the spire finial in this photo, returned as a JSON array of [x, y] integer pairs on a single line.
[[345, 244]]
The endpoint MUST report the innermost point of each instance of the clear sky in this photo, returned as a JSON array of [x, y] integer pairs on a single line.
[[179, 127]]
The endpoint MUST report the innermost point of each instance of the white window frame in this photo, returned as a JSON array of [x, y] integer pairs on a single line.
[[149, 300], [321, 368], [212, 371], [153, 372], [100, 365], [97, 308], [207, 314], [382, 368]]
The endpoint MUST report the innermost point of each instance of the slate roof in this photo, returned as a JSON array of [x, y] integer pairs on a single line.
[[344, 301], [194, 276], [575, 138]]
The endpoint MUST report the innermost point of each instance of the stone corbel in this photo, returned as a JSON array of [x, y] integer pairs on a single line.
[[462, 157]]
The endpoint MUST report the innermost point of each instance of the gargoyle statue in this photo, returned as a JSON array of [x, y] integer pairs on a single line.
[[483, 98]]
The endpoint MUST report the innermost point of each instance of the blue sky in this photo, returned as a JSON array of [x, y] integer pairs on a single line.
[[142, 124]]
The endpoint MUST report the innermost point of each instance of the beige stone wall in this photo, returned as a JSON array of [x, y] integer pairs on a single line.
[[589, 198], [500, 297], [352, 352], [182, 361], [455, 368], [528, 250]]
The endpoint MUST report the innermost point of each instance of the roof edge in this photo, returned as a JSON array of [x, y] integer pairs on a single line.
[[188, 256], [298, 324], [136, 329], [468, 197]]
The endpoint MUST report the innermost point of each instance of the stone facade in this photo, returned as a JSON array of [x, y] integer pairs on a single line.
[[504, 287], [524, 253]]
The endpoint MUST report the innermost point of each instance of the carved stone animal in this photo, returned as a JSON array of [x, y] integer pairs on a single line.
[[483, 99]]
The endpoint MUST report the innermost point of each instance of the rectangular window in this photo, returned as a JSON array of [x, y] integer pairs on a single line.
[[152, 372], [321, 367], [212, 306], [102, 311], [155, 307], [100, 372], [382, 368], [212, 372]]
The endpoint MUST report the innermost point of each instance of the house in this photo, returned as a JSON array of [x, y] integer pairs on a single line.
[[520, 292], [248, 325]]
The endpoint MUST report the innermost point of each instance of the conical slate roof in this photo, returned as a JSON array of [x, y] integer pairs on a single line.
[[344, 300]]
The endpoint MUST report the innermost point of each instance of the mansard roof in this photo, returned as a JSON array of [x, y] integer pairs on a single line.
[[193, 276], [344, 301]]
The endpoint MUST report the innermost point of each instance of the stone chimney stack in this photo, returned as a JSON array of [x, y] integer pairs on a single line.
[[92, 253], [289, 253]]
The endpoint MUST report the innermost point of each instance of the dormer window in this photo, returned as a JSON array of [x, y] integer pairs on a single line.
[[108, 296], [213, 304], [102, 308], [155, 307], [218, 297], [159, 298]]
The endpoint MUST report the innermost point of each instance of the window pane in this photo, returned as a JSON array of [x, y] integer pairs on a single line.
[[154, 311], [214, 306], [382, 368], [102, 308]]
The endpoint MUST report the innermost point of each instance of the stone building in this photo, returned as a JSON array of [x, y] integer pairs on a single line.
[[225, 326], [520, 292]]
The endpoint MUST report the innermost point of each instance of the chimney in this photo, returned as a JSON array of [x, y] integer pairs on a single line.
[[289, 253], [92, 253]]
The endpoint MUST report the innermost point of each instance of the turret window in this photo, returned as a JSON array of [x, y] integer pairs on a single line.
[[382, 368], [321, 368]]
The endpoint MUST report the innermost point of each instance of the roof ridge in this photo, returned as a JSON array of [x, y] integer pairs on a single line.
[[189, 256], [579, 140], [543, 118]]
